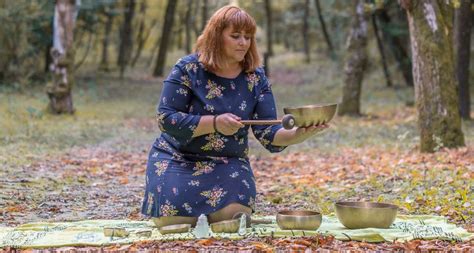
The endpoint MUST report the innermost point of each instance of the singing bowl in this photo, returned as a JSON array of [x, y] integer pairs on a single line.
[[226, 226], [115, 232], [310, 115], [173, 229], [299, 220], [365, 214]]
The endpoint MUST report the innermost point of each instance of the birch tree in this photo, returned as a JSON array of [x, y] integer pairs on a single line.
[[60, 87]]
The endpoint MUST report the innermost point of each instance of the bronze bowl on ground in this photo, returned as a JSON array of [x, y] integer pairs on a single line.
[[226, 226], [365, 214], [299, 220], [310, 115], [173, 229]]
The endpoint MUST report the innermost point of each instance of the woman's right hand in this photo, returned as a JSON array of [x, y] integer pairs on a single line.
[[228, 123]]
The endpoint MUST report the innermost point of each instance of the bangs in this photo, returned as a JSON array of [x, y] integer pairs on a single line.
[[240, 21]]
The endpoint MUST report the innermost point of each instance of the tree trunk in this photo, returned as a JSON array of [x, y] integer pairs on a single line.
[[430, 24], [382, 51], [323, 27], [305, 32], [356, 62], [165, 34], [204, 14], [194, 18], [462, 51], [268, 14], [104, 62], [59, 89], [126, 41], [47, 56], [177, 35], [143, 35], [188, 21], [140, 39], [397, 46]]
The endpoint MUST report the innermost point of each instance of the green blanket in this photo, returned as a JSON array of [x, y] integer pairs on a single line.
[[91, 232]]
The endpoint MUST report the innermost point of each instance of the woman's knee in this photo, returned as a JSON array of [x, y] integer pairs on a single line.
[[229, 212]]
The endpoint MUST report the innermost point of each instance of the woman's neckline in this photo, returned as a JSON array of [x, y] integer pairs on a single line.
[[229, 78]]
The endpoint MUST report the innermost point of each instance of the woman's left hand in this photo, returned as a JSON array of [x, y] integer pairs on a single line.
[[296, 135], [303, 133]]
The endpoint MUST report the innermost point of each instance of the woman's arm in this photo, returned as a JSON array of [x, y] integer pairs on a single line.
[[284, 137], [226, 124]]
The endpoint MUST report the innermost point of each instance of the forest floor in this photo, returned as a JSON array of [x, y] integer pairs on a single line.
[[91, 165]]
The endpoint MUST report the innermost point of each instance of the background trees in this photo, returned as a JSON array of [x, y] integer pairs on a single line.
[[462, 42], [63, 54], [137, 35], [430, 25]]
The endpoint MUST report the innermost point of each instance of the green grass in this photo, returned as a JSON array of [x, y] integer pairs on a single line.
[[104, 104]]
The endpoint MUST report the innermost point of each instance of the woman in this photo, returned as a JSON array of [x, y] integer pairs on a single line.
[[199, 164]]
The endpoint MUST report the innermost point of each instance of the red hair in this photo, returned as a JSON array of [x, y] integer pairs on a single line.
[[209, 44]]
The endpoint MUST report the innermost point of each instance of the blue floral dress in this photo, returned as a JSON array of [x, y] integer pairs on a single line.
[[189, 176]]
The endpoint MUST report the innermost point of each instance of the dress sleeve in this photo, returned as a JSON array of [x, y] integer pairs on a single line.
[[173, 110], [266, 110]]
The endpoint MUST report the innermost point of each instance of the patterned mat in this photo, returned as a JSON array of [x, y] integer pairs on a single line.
[[91, 232]]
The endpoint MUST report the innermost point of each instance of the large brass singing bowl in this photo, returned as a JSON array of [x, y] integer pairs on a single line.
[[365, 214], [299, 220], [226, 226], [311, 115]]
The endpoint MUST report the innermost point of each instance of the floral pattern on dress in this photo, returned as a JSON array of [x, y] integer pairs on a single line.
[[194, 183], [214, 196], [150, 202], [243, 105], [234, 175], [160, 118], [191, 66], [252, 80], [186, 81], [161, 167], [168, 209], [188, 208], [215, 142], [162, 144], [263, 138], [246, 183], [177, 157], [209, 108], [182, 91], [203, 168], [214, 90]]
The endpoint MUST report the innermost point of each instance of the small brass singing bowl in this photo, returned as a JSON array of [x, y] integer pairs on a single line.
[[174, 229], [115, 232], [299, 220], [226, 226], [355, 215], [144, 233], [311, 115]]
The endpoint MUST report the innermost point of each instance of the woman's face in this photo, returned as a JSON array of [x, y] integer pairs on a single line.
[[236, 44]]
